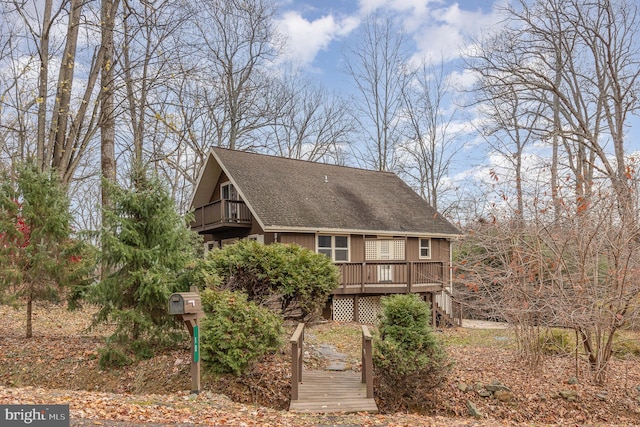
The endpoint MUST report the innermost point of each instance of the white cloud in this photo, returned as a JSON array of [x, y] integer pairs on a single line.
[[448, 30], [306, 38], [463, 80]]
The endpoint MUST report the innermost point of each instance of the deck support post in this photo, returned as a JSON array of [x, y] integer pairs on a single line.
[[432, 300]]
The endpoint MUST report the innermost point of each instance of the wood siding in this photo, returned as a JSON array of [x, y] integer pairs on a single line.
[[306, 240]]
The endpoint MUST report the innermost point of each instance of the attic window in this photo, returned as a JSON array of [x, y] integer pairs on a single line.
[[335, 247]]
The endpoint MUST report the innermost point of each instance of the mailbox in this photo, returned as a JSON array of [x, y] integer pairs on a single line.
[[185, 303]]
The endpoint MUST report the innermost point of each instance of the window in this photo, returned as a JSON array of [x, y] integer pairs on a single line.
[[385, 273], [257, 237], [211, 245], [383, 249], [425, 248], [228, 194], [335, 247]]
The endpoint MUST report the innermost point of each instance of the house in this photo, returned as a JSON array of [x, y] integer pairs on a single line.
[[384, 238]]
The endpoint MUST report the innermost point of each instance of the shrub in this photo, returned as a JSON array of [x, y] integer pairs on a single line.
[[298, 279], [236, 332], [112, 356], [625, 347], [408, 360]]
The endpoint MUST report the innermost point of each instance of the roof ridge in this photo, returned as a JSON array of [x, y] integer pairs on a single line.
[[313, 162]]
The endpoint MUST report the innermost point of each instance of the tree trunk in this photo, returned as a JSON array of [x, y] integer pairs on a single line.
[[29, 315], [107, 122], [43, 86]]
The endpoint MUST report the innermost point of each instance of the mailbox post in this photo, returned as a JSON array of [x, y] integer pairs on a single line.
[[188, 307]]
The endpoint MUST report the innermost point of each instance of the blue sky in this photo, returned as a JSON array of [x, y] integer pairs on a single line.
[[318, 31]]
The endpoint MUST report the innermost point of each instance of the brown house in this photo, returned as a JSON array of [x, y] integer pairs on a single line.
[[384, 238]]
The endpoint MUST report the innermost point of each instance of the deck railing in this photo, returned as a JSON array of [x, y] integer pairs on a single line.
[[221, 212], [367, 360], [297, 341], [390, 273]]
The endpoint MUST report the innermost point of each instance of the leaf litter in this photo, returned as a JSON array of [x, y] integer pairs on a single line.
[[59, 366]]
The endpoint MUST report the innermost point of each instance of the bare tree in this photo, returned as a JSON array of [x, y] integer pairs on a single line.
[[377, 66], [151, 44], [569, 71], [310, 123], [430, 141], [64, 122], [582, 61], [236, 43]]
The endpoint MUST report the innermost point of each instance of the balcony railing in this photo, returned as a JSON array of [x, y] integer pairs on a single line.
[[390, 277], [221, 213]]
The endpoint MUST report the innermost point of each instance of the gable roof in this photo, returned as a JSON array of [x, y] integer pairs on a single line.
[[295, 195]]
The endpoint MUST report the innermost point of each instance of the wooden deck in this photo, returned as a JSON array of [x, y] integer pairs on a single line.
[[331, 391]]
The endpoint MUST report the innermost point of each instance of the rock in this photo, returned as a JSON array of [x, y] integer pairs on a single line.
[[602, 396], [478, 387], [496, 386], [462, 387], [473, 410], [503, 395], [542, 397], [337, 366], [483, 393], [569, 395], [572, 380]]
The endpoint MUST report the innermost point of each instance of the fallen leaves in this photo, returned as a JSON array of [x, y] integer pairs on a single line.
[[60, 366]]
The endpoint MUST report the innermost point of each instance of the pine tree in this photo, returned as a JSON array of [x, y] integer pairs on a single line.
[[38, 257], [146, 245]]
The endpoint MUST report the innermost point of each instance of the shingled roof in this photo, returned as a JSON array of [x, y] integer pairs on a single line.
[[287, 195]]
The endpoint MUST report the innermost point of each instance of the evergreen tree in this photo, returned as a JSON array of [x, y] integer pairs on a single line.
[[146, 245], [38, 257]]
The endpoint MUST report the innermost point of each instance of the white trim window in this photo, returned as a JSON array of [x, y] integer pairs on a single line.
[[425, 248], [335, 247], [257, 237], [211, 245]]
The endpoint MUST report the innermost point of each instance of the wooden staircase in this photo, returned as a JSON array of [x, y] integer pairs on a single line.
[[442, 318]]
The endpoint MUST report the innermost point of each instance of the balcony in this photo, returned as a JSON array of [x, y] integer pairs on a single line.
[[221, 214], [390, 277]]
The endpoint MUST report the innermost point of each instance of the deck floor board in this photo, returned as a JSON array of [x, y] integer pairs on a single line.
[[330, 391]]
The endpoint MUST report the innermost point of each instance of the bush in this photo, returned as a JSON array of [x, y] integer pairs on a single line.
[[298, 279], [112, 356], [625, 347], [408, 360], [236, 332]]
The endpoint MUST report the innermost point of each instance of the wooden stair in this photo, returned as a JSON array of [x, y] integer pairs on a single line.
[[330, 391], [444, 319]]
